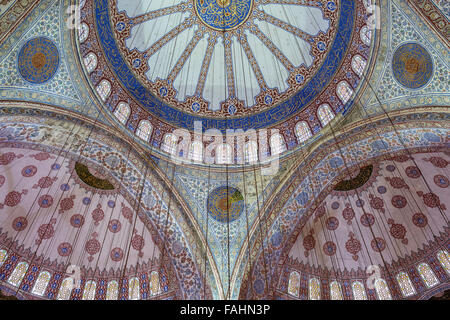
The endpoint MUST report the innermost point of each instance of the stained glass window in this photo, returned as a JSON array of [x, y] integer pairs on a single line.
[[359, 293], [144, 131], [90, 61], [405, 284], [382, 289], [427, 275], [196, 152], [154, 283], [251, 152], [444, 259], [314, 289], [133, 289], [294, 284], [302, 131], [122, 112], [66, 289], [336, 292], [366, 35], [89, 290], [344, 91], [358, 64], [3, 256], [41, 283], [224, 154], [112, 291], [277, 144], [325, 114], [83, 32], [17, 275], [170, 144], [104, 89]]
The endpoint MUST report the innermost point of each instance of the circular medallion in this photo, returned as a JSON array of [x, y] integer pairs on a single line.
[[20, 223], [225, 204], [38, 60], [223, 14], [412, 65]]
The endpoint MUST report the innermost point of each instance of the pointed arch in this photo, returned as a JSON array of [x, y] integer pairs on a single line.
[[104, 89], [314, 289], [17, 275], [112, 290], [294, 284], [382, 289], [302, 131], [144, 130], [90, 62], [41, 283], [358, 64], [277, 144], [325, 114], [427, 275], [122, 112], [154, 283], [89, 290], [344, 91], [170, 144], [134, 289], [336, 291], [359, 293], [196, 151]]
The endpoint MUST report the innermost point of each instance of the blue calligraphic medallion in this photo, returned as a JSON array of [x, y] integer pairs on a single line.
[[412, 65], [223, 14], [225, 204], [38, 60]]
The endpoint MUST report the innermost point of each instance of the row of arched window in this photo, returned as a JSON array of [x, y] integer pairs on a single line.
[[359, 293], [65, 290], [302, 130]]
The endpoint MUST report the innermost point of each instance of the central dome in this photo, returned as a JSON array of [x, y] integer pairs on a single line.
[[160, 65], [223, 14]]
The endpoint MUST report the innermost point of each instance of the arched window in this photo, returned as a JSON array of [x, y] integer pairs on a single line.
[[224, 154], [144, 131], [112, 291], [41, 283], [122, 112], [294, 284], [359, 293], [17, 275], [104, 89], [83, 32], [366, 35], [251, 152], [444, 259], [90, 61], [382, 289], [89, 290], [66, 289], [196, 151], [170, 144], [427, 275], [344, 91], [154, 283], [358, 64], [314, 289], [302, 131], [133, 289], [336, 292], [325, 114], [405, 284], [3, 256], [277, 144]]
